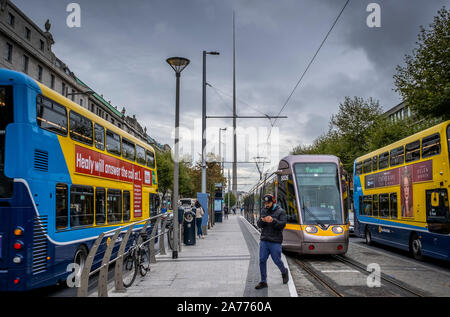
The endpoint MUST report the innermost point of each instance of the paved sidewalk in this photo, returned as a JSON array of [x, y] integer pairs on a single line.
[[223, 264]]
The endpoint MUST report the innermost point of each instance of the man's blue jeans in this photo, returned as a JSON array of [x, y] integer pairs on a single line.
[[273, 249]]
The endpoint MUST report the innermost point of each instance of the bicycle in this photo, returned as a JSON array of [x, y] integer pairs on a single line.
[[137, 259]]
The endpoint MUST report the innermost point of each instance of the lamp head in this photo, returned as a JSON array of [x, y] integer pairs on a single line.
[[178, 63]]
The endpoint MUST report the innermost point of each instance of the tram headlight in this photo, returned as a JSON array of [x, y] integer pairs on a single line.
[[337, 230], [311, 229]]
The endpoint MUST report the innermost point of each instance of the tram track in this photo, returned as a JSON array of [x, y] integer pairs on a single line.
[[383, 277], [389, 285]]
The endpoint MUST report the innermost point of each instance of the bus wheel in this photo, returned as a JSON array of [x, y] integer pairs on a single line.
[[368, 237], [415, 247], [80, 260]]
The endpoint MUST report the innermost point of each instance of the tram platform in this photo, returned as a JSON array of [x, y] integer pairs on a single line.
[[223, 264]]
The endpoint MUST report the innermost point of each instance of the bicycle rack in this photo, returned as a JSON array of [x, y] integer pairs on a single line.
[[106, 261]]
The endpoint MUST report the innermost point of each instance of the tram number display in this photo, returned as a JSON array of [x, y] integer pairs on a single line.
[[93, 163]]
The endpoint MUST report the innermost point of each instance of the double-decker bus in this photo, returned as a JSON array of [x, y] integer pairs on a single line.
[[66, 176], [311, 190], [401, 194]]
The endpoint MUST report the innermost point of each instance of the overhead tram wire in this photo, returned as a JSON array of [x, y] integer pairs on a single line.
[[309, 65]]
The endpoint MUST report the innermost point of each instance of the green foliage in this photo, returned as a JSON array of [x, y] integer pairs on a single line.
[[232, 200], [424, 82], [165, 172]]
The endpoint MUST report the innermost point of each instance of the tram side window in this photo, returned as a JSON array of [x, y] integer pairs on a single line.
[[128, 150], [367, 205], [287, 200], [81, 206], [140, 155], [113, 142], [412, 151], [62, 210], [150, 159], [431, 145], [99, 137], [394, 205], [397, 157], [383, 160], [375, 212], [384, 205], [51, 116], [126, 206], [114, 206], [100, 206], [80, 128]]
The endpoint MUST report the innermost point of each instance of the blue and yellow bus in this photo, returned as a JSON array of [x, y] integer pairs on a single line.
[[401, 194], [66, 175]]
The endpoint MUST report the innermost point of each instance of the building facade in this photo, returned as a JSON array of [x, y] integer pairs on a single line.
[[26, 48], [398, 113]]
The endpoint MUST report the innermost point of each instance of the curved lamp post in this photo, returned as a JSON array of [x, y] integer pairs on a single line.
[[178, 64]]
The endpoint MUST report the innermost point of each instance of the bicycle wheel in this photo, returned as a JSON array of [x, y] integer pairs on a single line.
[[130, 268], [144, 260]]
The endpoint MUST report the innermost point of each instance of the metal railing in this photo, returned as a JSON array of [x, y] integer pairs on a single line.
[[102, 286]]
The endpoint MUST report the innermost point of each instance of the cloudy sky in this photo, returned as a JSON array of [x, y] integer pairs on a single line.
[[121, 47]]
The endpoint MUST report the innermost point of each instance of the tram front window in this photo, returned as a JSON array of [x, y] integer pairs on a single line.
[[319, 193]]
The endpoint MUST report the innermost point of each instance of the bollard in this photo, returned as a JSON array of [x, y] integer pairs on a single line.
[[103, 277], [152, 241], [84, 280], [118, 269], [162, 247]]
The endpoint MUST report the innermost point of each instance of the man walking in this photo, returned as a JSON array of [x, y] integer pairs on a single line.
[[272, 223]]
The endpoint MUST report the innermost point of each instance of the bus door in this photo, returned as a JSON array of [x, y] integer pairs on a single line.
[[438, 213], [6, 184]]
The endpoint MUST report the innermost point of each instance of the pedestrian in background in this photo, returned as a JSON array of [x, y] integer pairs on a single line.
[[272, 222], [199, 219]]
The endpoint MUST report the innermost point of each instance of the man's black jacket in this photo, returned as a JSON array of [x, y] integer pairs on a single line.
[[273, 231]]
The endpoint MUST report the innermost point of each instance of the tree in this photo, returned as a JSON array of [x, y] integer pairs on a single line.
[[165, 172], [347, 131], [424, 82], [232, 200]]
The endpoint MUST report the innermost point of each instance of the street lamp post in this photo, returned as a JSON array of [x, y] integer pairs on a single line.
[[204, 120], [178, 64], [220, 153]]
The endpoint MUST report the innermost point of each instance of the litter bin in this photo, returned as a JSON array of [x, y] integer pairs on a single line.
[[189, 228]]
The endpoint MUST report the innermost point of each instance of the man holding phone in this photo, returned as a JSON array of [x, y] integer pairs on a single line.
[[272, 223]]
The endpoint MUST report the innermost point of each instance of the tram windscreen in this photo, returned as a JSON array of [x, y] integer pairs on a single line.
[[319, 193]]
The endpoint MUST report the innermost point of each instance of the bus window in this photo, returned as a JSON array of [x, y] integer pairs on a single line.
[[51, 116], [367, 166], [99, 137], [375, 163], [128, 150], [431, 145], [100, 206], [114, 206], [154, 203], [375, 206], [384, 205], [448, 140], [62, 211], [81, 206], [397, 157], [126, 206], [394, 205], [367, 205], [358, 169], [113, 142], [140, 154], [150, 159], [383, 160], [412, 151], [80, 128]]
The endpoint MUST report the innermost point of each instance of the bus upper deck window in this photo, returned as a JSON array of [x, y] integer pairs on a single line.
[[412, 151], [431, 145]]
